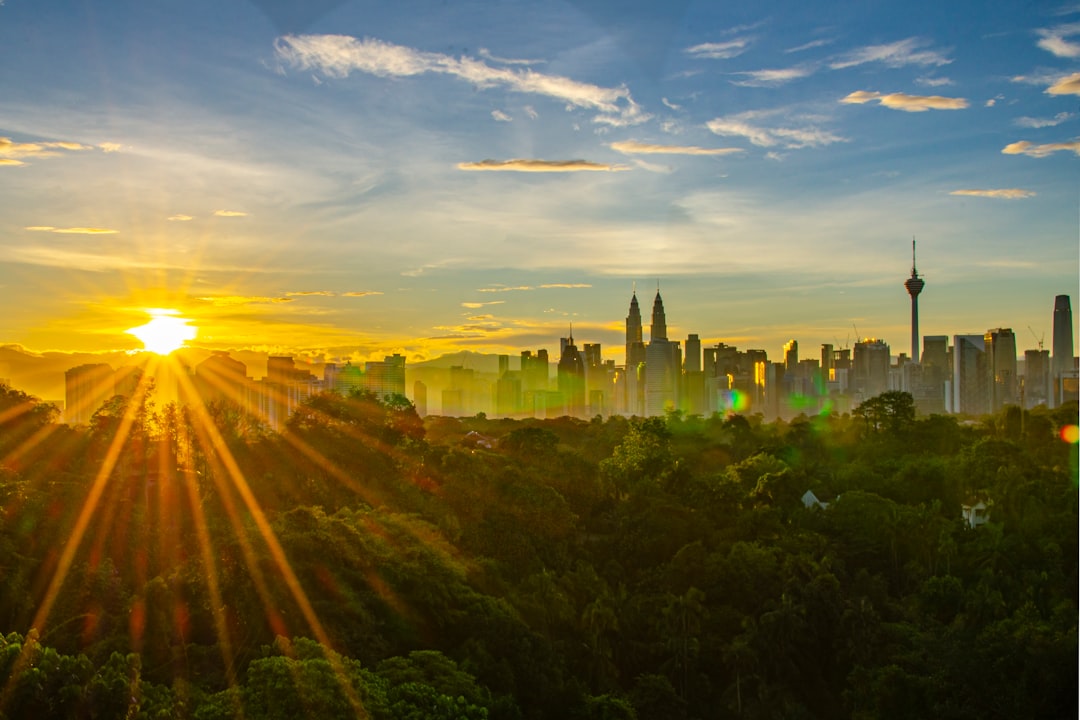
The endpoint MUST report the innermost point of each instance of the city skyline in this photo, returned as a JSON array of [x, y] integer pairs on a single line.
[[354, 183]]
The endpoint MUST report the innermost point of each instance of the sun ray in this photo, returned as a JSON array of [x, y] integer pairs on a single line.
[[277, 553]]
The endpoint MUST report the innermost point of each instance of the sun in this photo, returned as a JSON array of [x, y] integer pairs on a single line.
[[165, 332]]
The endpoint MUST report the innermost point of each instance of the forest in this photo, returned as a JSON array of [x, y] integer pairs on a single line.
[[179, 562]]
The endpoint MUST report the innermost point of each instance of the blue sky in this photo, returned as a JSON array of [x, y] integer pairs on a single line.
[[356, 178]]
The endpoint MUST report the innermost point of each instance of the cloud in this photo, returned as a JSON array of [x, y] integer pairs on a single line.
[[770, 78], [338, 55], [478, 305], [527, 165], [17, 151], [230, 213], [633, 147], [786, 137], [809, 46], [501, 116], [668, 103], [361, 293], [485, 53], [179, 218], [566, 285], [897, 54], [531, 112], [72, 230], [905, 102], [933, 81], [302, 293], [1068, 85], [110, 147], [1035, 123], [10, 162], [503, 288], [1002, 193], [1053, 40], [1024, 147], [234, 300], [719, 50], [1042, 76]]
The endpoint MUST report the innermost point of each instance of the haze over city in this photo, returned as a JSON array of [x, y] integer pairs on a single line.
[[354, 180]]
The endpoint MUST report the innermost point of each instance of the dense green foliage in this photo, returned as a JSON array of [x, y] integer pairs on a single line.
[[366, 563]]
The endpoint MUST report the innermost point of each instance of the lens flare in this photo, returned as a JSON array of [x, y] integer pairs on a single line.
[[1070, 434]]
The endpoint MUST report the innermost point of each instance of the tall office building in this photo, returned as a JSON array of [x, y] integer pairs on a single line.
[[658, 327], [571, 371], [692, 359], [970, 392], [1062, 361], [221, 378], [633, 401], [791, 356], [1038, 386], [386, 378], [914, 285], [86, 388], [661, 364], [633, 330], [870, 369], [1000, 361]]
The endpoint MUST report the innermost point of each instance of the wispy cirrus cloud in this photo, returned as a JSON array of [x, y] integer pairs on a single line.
[[1068, 85], [898, 54], [905, 102], [111, 147], [633, 147], [999, 193], [339, 55], [1054, 40], [303, 293], [179, 218], [15, 153], [745, 125], [72, 230], [361, 293], [1035, 123], [230, 213], [565, 285], [485, 53], [478, 305], [933, 81], [540, 166], [809, 46], [500, 116], [1023, 147], [504, 288], [236, 300], [719, 50], [772, 78]]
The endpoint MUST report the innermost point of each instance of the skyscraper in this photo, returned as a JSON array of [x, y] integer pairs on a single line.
[[970, 392], [633, 331], [1062, 360], [914, 285], [572, 378], [633, 401], [658, 328], [1000, 344], [871, 369]]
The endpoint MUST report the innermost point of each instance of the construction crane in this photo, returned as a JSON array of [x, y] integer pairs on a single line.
[[1038, 339]]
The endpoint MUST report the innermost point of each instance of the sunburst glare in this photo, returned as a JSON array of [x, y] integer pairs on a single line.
[[165, 332]]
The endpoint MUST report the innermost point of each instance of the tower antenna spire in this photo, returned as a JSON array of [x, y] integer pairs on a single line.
[[914, 272]]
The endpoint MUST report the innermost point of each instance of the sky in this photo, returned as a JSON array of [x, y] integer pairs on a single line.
[[348, 179]]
